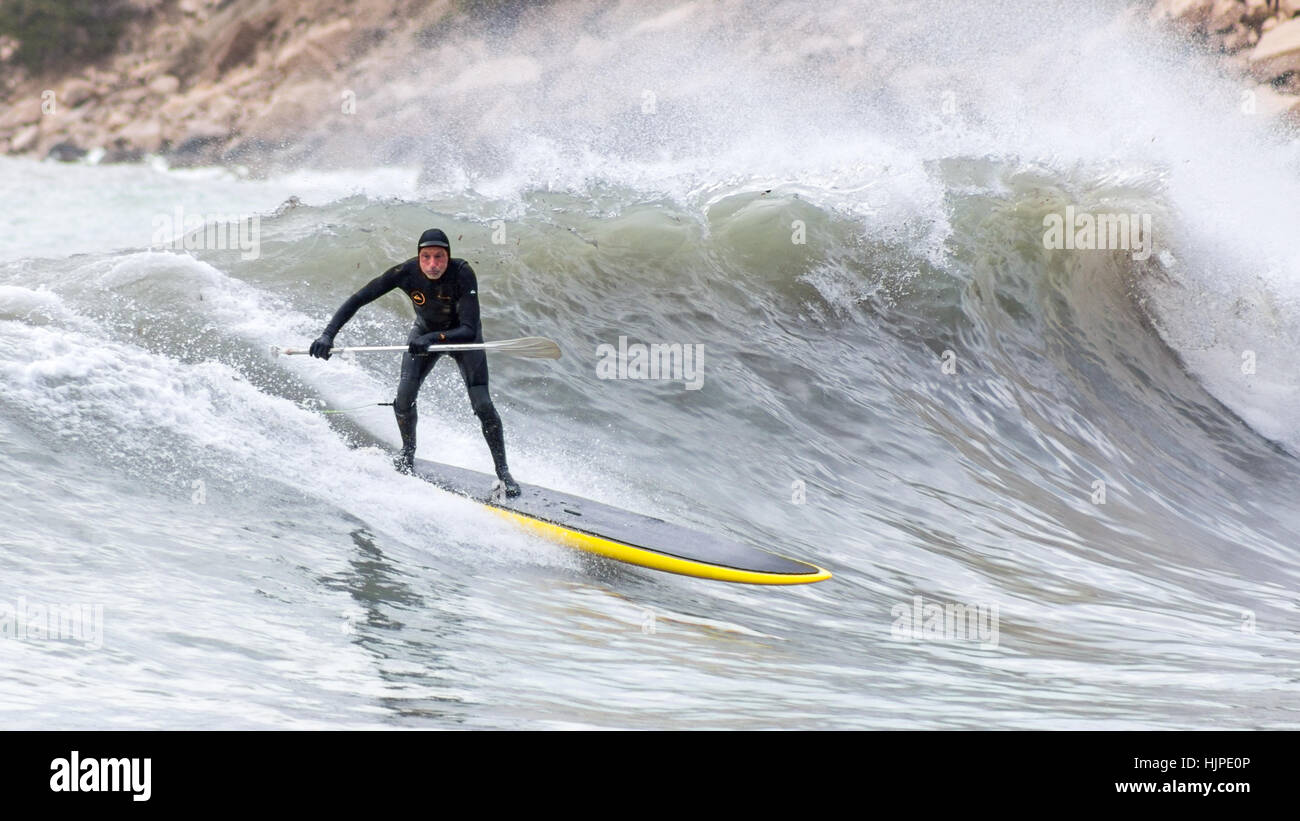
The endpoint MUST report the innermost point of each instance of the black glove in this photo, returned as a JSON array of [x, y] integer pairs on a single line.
[[420, 345], [321, 347]]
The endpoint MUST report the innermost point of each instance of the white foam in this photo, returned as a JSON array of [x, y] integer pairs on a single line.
[[205, 419]]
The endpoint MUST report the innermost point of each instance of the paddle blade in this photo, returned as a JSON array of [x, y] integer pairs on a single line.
[[532, 347]]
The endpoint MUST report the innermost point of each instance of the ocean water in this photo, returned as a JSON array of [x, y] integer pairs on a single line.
[[1092, 450]]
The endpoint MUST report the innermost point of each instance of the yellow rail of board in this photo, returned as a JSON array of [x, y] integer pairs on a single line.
[[656, 561]]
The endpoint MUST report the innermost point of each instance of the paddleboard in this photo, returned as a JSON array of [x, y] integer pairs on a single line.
[[622, 535]]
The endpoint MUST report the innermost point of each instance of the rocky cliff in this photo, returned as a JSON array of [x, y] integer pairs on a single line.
[[204, 81], [260, 83]]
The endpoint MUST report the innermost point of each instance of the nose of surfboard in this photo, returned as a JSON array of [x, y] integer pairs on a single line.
[[622, 535]]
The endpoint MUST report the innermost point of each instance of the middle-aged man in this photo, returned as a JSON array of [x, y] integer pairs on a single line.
[[444, 293]]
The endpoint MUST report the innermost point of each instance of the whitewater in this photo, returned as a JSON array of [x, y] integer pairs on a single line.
[[901, 382]]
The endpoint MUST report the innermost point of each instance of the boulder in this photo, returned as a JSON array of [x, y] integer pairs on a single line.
[[25, 139], [1277, 52], [24, 111], [130, 97], [1224, 14], [197, 150], [1239, 38], [140, 73], [1257, 11], [206, 129], [143, 133], [164, 85], [240, 46], [121, 151], [178, 107], [317, 53], [65, 151], [223, 109], [76, 91], [1194, 13], [117, 118], [294, 110]]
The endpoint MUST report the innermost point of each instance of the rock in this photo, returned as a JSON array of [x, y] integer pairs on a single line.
[[1193, 13], [117, 118], [195, 138], [144, 133], [223, 110], [23, 112], [241, 47], [196, 151], [130, 97], [121, 151], [85, 134], [145, 71], [25, 139], [318, 52], [65, 151], [179, 106], [1278, 51], [202, 145], [1291, 84], [1224, 14], [1240, 38], [1289, 8], [164, 85], [1269, 24], [293, 110], [76, 91], [206, 130], [1257, 11]]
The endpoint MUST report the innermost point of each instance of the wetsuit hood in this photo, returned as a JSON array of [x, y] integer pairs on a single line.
[[434, 236]]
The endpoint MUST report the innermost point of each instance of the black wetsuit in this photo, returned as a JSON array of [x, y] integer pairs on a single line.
[[446, 310]]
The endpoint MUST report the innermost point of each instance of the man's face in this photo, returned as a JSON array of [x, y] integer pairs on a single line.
[[433, 261]]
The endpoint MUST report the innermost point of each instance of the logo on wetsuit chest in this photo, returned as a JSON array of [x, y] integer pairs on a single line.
[[417, 297]]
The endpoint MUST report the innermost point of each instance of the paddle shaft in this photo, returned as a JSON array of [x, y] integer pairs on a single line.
[[531, 346]]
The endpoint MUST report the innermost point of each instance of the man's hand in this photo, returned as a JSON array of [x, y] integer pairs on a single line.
[[420, 345], [321, 347]]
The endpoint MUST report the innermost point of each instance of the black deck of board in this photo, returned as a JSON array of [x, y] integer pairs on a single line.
[[597, 519]]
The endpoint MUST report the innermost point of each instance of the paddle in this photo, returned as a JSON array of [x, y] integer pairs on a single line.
[[533, 347]]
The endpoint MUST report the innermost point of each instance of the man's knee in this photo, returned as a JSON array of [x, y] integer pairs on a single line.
[[408, 387], [404, 404], [482, 403]]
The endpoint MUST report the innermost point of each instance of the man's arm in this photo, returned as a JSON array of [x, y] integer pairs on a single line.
[[371, 291]]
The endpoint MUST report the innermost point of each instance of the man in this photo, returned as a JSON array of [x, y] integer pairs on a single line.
[[444, 293]]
